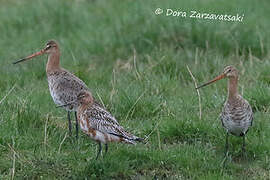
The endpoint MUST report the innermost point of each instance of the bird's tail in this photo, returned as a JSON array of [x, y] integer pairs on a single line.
[[133, 140], [127, 137], [139, 139], [130, 140]]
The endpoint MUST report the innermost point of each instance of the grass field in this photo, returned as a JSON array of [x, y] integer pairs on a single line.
[[135, 62]]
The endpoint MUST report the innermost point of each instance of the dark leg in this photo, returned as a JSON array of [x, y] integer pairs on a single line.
[[226, 144], [69, 124], [106, 149], [99, 149], [226, 150], [77, 124], [244, 145]]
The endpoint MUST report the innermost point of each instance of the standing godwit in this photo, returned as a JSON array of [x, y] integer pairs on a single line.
[[96, 122], [236, 116], [64, 86]]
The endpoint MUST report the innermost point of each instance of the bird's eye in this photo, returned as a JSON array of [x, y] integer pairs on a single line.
[[48, 47]]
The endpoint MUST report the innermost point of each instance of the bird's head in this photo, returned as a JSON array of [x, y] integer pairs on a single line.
[[50, 47], [229, 72]]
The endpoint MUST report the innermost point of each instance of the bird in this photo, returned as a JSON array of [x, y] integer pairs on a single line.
[[236, 116], [64, 86], [96, 122]]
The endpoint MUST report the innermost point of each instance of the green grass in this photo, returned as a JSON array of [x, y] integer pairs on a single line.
[[136, 62]]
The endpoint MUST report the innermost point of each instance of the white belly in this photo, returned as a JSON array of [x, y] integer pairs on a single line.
[[234, 128]]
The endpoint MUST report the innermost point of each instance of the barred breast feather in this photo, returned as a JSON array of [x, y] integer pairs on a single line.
[[237, 116], [64, 88]]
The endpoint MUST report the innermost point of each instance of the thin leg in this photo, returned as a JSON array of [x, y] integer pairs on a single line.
[[226, 150], [69, 124], [244, 145], [77, 124], [106, 149], [227, 144], [99, 150]]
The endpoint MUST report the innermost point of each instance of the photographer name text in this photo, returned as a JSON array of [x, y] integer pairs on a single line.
[[193, 14]]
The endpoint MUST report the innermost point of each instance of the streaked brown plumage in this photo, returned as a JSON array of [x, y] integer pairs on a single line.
[[64, 86], [99, 124], [237, 115]]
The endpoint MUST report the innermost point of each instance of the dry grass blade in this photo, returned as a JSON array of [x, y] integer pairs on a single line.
[[113, 91], [7, 94], [158, 136], [14, 160], [100, 99], [198, 92], [59, 149], [155, 128], [45, 130], [132, 108], [135, 64]]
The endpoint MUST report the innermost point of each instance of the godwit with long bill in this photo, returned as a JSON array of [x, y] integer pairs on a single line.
[[96, 122], [237, 115], [64, 86]]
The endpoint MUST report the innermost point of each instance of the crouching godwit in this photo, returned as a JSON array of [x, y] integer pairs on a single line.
[[64, 86], [236, 116], [96, 122]]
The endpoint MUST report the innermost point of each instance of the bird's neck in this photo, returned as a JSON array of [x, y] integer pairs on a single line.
[[232, 88], [53, 63]]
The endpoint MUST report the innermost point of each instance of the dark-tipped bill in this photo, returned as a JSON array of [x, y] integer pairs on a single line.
[[214, 80], [29, 57]]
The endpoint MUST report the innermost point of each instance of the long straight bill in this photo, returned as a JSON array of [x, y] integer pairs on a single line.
[[214, 80], [29, 57]]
